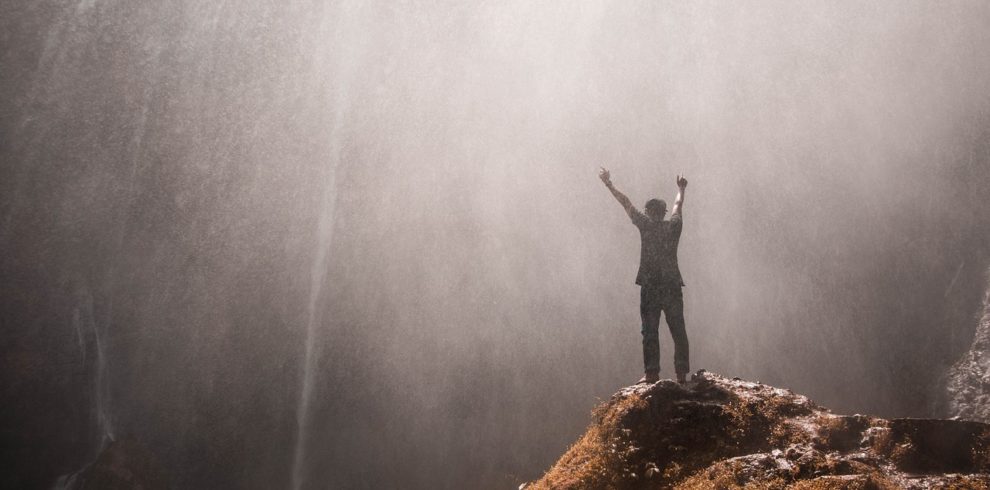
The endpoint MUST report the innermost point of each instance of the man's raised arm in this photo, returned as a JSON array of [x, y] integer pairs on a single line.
[[681, 185], [619, 196]]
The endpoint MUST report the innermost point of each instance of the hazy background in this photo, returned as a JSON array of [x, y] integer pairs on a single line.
[[194, 192]]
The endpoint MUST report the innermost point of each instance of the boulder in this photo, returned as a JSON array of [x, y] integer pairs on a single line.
[[716, 432]]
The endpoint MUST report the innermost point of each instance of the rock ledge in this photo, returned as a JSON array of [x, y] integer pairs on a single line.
[[723, 433]]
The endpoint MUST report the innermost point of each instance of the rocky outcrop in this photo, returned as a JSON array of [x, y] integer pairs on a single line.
[[725, 433], [968, 381]]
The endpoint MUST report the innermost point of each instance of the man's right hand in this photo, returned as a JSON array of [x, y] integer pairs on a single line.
[[619, 196], [605, 176], [681, 182]]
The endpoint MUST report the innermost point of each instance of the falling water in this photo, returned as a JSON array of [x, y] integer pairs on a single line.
[[84, 320], [317, 277], [104, 423], [342, 63], [176, 174], [88, 330]]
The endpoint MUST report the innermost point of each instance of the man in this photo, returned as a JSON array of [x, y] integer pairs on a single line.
[[659, 278]]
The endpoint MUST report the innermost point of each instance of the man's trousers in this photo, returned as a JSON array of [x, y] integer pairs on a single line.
[[652, 302]]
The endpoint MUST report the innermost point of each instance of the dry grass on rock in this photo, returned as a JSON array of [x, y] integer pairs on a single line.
[[718, 433]]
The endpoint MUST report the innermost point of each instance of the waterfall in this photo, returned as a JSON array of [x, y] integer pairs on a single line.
[[313, 316], [340, 64], [92, 336]]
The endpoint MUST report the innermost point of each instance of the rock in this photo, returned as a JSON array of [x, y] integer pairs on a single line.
[[967, 387], [729, 433], [940, 446]]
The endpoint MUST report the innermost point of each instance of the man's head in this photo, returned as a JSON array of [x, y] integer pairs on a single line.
[[656, 208]]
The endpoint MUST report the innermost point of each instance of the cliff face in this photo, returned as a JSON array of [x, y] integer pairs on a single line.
[[968, 381], [724, 433]]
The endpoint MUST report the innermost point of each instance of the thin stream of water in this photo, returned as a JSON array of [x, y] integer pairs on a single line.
[[341, 67], [313, 318]]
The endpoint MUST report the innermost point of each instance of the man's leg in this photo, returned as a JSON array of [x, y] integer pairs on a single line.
[[673, 306], [649, 311]]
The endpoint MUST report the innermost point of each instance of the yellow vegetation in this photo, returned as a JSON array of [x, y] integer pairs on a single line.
[[596, 459]]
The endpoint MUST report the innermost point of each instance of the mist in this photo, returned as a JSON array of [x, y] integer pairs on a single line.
[[309, 244]]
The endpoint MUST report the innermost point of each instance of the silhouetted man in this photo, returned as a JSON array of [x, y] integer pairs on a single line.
[[659, 278]]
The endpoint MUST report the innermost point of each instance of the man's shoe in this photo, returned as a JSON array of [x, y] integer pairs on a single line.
[[649, 377]]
